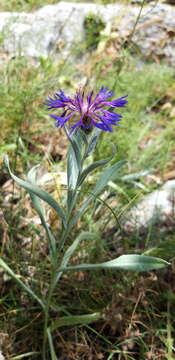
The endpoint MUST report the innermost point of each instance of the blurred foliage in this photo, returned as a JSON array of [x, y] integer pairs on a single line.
[[93, 25]]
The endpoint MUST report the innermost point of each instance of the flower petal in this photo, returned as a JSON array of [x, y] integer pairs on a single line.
[[117, 102], [60, 120]]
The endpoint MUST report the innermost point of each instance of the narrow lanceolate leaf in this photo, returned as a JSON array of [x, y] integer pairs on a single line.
[[72, 248], [41, 212], [44, 195], [75, 320], [92, 167], [73, 169], [15, 277], [125, 262], [52, 350], [74, 162], [92, 142], [109, 173]]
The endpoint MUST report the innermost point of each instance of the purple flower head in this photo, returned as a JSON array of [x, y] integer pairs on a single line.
[[88, 111]]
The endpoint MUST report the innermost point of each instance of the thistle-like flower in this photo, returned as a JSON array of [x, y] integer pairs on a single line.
[[87, 111]]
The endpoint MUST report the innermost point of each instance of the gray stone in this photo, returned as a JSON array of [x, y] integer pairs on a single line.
[[54, 29], [158, 206]]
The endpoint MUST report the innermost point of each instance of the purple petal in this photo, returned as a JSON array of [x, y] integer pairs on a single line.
[[112, 115], [117, 102], [61, 120], [101, 126], [89, 98]]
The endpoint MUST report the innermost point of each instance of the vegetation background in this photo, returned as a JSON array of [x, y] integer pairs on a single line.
[[138, 310]]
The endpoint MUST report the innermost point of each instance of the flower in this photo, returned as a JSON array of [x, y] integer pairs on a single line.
[[90, 109]]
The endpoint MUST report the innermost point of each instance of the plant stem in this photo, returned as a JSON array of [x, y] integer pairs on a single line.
[[46, 313]]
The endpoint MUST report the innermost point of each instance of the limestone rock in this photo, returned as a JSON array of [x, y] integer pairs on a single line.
[[158, 206], [55, 29]]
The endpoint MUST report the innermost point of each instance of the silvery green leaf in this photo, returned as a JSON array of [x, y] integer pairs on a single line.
[[52, 350], [41, 212], [109, 173], [25, 287], [125, 262], [74, 160], [92, 142], [135, 176], [73, 169], [72, 248], [75, 320], [92, 167], [44, 195]]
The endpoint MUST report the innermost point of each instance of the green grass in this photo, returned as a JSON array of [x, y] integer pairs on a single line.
[[138, 310]]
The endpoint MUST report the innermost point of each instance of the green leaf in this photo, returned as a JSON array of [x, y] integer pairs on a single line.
[[44, 195], [52, 350], [109, 173], [25, 355], [26, 288], [75, 320], [74, 158], [73, 168], [125, 262], [41, 212], [92, 167], [92, 142], [71, 249]]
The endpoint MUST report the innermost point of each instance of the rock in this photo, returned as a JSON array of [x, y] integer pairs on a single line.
[[155, 207], [53, 30], [1, 356]]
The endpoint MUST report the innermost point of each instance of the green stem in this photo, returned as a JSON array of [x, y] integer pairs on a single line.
[[46, 318], [65, 232]]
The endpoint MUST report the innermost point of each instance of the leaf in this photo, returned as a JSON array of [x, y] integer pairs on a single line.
[[109, 173], [75, 320], [74, 158], [72, 248], [26, 288], [22, 356], [40, 210], [92, 142], [73, 169], [44, 195], [52, 350], [125, 262], [135, 176], [83, 207], [92, 167]]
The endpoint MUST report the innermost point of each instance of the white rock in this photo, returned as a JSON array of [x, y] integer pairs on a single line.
[[159, 206], [1, 356], [53, 29]]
